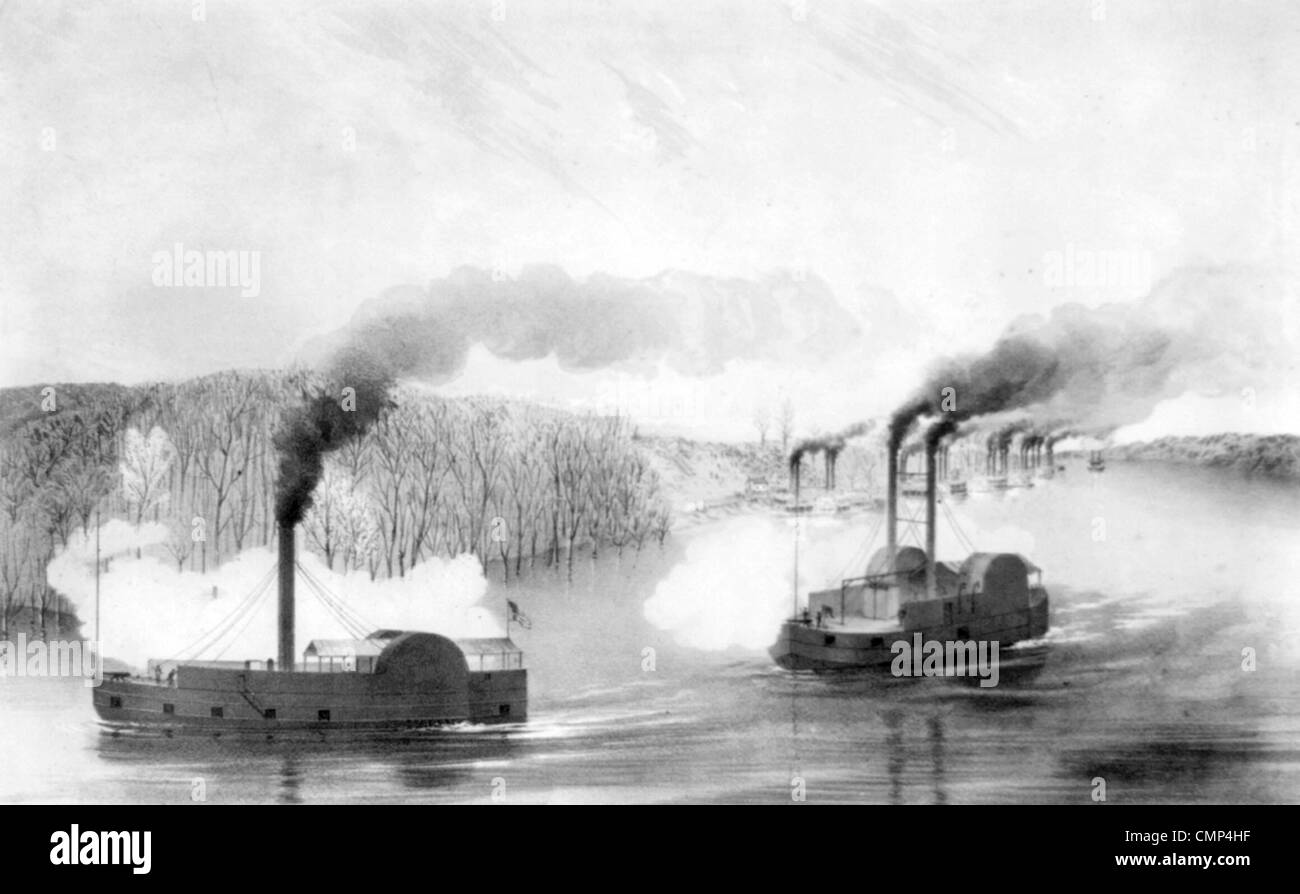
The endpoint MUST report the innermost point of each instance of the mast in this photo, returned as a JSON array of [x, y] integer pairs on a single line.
[[794, 584], [931, 448], [97, 577]]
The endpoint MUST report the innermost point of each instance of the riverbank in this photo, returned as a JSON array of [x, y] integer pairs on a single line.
[[1274, 456]]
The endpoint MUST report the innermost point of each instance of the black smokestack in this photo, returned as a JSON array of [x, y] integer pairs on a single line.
[[899, 425], [1049, 443], [829, 447], [288, 562], [933, 435]]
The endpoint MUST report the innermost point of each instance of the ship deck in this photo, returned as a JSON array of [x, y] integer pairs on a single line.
[[854, 625]]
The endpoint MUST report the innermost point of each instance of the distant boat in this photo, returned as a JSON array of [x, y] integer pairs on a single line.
[[912, 485]]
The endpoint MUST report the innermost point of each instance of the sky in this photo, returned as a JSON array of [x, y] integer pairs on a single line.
[[937, 166]]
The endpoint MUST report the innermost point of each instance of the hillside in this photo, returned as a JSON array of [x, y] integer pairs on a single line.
[[697, 471], [1276, 456]]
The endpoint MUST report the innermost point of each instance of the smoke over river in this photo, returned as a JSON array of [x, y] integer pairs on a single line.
[[149, 609], [735, 584]]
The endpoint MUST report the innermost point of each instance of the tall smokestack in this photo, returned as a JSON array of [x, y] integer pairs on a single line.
[[287, 562], [933, 437], [891, 508]]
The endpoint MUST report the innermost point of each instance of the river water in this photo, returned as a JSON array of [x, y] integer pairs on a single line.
[[649, 681]]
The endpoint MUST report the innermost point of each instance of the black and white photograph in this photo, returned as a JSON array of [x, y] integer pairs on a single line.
[[788, 402]]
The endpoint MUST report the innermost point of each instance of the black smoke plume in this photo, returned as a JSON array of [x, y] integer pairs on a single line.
[[325, 421], [939, 430], [1207, 329], [693, 324], [831, 445]]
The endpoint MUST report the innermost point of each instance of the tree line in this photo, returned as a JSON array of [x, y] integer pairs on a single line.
[[510, 483]]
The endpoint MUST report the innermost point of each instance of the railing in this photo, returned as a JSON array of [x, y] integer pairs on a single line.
[[495, 661], [338, 664]]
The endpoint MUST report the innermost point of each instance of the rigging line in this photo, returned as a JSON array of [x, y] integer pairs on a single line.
[[861, 554], [342, 608], [245, 615], [346, 623], [966, 538], [314, 588], [339, 611], [957, 532], [252, 594], [240, 632], [362, 623], [966, 542], [353, 629], [247, 611]]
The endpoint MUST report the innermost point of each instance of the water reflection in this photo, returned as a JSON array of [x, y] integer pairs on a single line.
[[899, 749], [296, 771]]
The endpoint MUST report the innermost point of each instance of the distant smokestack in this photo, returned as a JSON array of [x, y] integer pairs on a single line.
[[288, 560]]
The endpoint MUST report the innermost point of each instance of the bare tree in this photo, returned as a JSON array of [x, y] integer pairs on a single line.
[[477, 473], [392, 455], [523, 472], [227, 435], [179, 545], [429, 453], [145, 466], [15, 568], [785, 424], [762, 420]]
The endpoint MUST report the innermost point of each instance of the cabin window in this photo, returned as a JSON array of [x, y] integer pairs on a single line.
[[268, 714], [323, 716], [828, 640], [963, 633], [947, 613], [218, 712], [169, 708], [115, 701], [503, 710], [877, 642]]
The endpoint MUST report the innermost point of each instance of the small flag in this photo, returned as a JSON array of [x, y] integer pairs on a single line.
[[519, 617]]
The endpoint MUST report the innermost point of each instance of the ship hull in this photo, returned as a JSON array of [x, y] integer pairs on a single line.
[[803, 647], [214, 701]]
